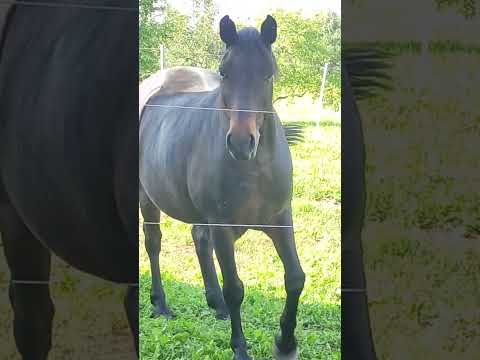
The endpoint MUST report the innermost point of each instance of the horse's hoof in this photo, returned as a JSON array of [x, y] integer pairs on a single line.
[[278, 355], [159, 312], [241, 356]]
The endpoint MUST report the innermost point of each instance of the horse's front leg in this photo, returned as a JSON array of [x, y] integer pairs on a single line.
[[285, 345], [153, 243], [223, 240], [29, 263]]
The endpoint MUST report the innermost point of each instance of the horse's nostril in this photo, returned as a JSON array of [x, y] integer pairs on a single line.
[[241, 148]]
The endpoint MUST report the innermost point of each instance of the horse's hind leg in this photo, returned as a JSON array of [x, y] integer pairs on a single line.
[[131, 308], [33, 310], [153, 238], [204, 249]]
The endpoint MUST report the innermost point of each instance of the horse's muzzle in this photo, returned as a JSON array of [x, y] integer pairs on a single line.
[[241, 147]]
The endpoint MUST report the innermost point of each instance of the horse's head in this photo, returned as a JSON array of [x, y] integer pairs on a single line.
[[247, 70]]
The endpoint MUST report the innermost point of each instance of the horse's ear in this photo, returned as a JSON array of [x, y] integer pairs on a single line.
[[269, 30], [228, 31]]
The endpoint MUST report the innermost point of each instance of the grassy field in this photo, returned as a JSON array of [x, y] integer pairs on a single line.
[[195, 334], [421, 239]]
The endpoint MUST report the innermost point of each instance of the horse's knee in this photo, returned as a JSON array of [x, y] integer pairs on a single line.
[[200, 234], [233, 292], [295, 282], [153, 239], [21, 296], [200, 238]]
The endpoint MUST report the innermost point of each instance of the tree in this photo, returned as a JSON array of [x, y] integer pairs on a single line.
[[159, 24], [200, 44], [189, 41], [303, 47]]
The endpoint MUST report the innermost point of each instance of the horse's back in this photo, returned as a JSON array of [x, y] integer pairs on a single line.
[[177, 80], [171, 94], [67, 124], [188, 79]]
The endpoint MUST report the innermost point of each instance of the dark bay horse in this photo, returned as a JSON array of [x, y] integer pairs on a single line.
[[68, 154], [222, 167]]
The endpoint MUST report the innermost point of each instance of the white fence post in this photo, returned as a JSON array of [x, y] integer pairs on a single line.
[[162, 50], [322, 89]]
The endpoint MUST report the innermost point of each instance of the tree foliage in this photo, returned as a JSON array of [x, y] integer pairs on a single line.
[[188, 41], [302, 48]]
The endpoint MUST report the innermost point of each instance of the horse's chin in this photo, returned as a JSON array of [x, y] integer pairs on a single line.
[[236, 158], [251, 156]]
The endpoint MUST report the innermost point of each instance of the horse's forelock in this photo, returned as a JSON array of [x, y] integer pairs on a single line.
[[249, 38]]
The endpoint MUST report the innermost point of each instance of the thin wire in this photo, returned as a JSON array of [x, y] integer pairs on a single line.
[[353, 290], [229, 225], [33, 282], [208, 108], [53, 281], [81, 6]]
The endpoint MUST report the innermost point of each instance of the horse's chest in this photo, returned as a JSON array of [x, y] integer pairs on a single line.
[[250, 197]]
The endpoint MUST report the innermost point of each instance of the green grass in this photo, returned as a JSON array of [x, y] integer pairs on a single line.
[[195, 334]]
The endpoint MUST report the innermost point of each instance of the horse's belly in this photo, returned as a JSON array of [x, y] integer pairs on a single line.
[[167, 189], [173, 204], [164, 153], [80, 226]]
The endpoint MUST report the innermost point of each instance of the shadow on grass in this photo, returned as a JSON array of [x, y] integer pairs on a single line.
[[194, 333]]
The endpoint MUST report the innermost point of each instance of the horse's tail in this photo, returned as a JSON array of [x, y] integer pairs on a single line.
[[367, 68], [294, 132]]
